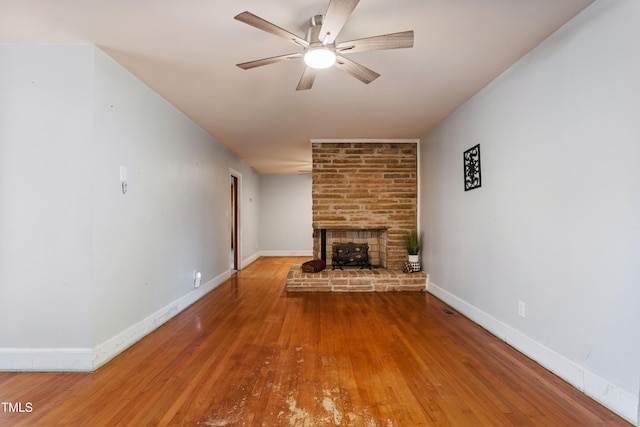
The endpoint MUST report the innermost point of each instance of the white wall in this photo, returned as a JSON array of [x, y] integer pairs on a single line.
[[285, 215], [556, 223], [250, 210], [45, 202], [148, 243], [85, 270]]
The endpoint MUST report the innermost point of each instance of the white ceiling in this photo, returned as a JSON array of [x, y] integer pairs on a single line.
[[187, 51]]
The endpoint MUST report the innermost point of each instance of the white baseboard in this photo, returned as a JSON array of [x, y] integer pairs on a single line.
[[87, 359], [45, 359], [287, 253], [247, 261], [599, 389], [120, 342]]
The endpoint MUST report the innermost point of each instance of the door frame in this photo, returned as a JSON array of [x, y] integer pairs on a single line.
[[235, 216]]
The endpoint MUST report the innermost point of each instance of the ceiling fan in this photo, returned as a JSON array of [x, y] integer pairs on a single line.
[[320, 49]]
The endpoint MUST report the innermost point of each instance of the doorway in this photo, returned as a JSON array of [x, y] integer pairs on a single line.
[[234, 263]]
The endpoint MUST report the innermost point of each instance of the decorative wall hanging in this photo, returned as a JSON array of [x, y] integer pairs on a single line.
[[472, 168]]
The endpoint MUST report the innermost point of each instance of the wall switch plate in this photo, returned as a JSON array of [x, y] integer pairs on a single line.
[[522, 309]]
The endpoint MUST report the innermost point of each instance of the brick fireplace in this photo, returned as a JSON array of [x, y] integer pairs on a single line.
[[365, 192]]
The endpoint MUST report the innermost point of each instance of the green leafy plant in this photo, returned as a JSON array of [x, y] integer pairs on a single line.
[[412, 241]]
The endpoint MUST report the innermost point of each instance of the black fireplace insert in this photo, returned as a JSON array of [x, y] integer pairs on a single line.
[[349, 255]]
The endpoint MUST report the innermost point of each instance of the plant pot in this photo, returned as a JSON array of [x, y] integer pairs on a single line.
[[414, 260]]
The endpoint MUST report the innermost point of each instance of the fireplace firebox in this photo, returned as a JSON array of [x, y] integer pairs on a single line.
[[349, 255], [370, 250]]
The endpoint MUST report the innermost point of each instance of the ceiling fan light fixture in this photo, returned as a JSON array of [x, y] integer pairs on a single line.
[[319, 57]]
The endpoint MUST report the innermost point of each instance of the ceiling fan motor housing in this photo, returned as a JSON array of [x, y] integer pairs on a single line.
[[313, 33]]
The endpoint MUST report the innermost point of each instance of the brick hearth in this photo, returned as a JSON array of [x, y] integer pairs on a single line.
[[355, 280]]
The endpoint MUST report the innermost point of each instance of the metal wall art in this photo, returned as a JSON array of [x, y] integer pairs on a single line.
[[472, 168]]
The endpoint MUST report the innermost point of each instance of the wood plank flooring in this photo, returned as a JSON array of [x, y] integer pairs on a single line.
[[249, 354]]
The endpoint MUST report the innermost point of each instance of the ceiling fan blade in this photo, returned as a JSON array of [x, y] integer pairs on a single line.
[[307, 79], [358, 71], [335, 18], [259, 23], [267, 61], [387, 41]]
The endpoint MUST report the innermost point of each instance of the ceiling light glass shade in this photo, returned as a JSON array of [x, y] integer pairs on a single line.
[[319, 57]]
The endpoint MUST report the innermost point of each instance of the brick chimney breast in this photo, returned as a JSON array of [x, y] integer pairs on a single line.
[[366, 187]]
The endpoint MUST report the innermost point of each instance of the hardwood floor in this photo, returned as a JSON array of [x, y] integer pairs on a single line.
[[249, 354]]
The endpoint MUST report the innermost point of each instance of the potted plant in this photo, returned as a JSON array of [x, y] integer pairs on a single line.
[[412, 241]]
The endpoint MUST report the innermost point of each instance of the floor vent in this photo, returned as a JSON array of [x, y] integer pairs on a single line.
[[448, 312]]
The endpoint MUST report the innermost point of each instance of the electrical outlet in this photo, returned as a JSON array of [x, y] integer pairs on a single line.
[[197, 277], [522, 309]]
